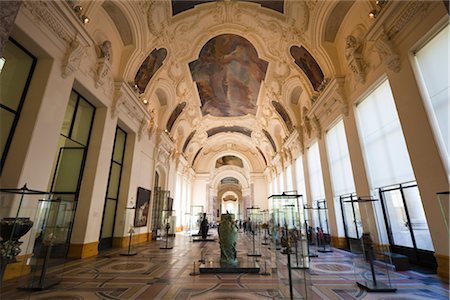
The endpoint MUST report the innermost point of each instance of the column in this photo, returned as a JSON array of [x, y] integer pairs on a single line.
[[328, 188], [424, 154]]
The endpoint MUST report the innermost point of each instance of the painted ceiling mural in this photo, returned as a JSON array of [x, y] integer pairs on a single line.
[[237, 129], [228, 74], [284, 115], [174, 116], [229, 160], [179, 6], [148, 68], [308, 64]]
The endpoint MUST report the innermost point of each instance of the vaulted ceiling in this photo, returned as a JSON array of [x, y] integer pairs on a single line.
[[227, 77]]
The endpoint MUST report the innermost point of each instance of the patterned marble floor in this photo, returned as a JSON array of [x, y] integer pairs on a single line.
[[156, 273]]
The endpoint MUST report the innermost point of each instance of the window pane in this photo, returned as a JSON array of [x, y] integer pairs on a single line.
[[300, 177], [418, 220], [6, 121], [14, 75], [108, 219], [114, 177], [69, 114], [119, 146], [315, 173], [339, 160], [385, 152], [397, 219], [433, 61], [82, 125], [68, 172]]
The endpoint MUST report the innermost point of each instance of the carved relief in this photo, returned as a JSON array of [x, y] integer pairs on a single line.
[[317, 126], [387, 53], [354, 56], [73, 58]]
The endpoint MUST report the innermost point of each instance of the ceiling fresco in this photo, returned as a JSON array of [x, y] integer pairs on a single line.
[[179, 6], [284, 115], [237, 129], [228, 74], [308, 64], [148, 68], [229, 160], [174, 116]]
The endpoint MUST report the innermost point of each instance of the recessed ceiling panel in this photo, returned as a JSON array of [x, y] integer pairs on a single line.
[[228, 74], [308, 65], [179, 6], [237, 129], [149, 67]]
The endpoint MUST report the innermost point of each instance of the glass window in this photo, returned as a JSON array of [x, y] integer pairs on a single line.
[[384, 147], [288, 176], [16, 68], [433, 62], [315, 173], [300, 178], [339, 160]]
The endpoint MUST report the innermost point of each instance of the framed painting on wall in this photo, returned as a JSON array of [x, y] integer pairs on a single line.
[[142, 207]]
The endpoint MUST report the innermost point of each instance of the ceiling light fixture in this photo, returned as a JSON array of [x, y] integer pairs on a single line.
[[373, 14], [84, 19]]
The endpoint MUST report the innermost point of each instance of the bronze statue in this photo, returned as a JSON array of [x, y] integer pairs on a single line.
[[228, 234], [204, 226]]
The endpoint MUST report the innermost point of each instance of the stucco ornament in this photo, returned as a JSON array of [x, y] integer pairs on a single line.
[[354, 56], [228, 235]]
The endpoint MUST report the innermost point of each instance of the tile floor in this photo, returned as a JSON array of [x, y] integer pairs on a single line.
[[156, 273]]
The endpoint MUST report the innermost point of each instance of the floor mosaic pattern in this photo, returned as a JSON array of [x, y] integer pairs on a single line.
[[156, 273]]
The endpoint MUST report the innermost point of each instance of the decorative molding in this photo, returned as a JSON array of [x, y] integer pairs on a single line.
[[354, 56], [103, 70], [331, 99], [72, 58], [387, 53], [413, 8]]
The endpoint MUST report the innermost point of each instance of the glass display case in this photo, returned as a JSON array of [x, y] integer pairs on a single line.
[[168, 226], [265, 227], [372, 267], [51, 234], [196, 219], [254, 221], [444, 204], [311, 234], [17, 218], [322, 227], [287, 227]]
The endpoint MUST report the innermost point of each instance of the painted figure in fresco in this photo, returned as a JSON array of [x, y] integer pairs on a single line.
[[228, 235], [204, 227], [228, 74]]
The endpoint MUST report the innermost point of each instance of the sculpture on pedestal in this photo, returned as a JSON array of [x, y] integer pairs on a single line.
[[228, 234], [204, 227]]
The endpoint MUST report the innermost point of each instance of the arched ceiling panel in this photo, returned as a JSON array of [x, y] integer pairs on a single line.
[[179, 6], [335, 20], [120, 21], [228, 74], [236, 129], [229, 160], [148, 68], [309, 65]]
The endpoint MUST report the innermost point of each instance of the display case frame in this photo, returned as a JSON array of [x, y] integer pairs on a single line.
[[254, 221]]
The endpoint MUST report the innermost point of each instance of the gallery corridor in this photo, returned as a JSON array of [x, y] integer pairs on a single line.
[[156, 273]]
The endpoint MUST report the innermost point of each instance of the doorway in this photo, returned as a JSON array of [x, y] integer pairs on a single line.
[[351, 218], [406, 224]]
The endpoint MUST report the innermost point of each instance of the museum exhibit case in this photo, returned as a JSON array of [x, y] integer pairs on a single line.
[[195, 219], [373, 267], [351, 219], [168, 225], [161, 201], [17, 217], [311, 234], [289, 239], [254, 222], [322, 227], [265, 227]]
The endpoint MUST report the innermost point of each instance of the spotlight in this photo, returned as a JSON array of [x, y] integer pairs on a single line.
[[84, 19], [78, 9], [373, 14], [145, 101]]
